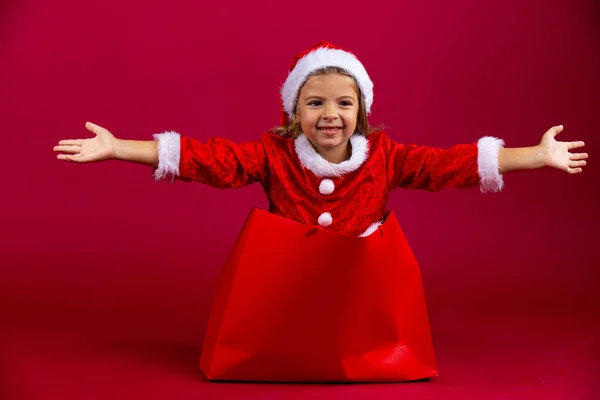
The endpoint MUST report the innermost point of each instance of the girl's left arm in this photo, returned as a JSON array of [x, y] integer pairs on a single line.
[[549, 153]]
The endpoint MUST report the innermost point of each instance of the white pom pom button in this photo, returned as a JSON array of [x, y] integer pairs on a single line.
[[325, 219], [326, 186]]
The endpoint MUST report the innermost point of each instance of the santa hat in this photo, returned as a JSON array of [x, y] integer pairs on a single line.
[[319, 56]]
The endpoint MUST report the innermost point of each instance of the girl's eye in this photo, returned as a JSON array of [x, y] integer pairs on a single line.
[[346, 103], [314, 103]]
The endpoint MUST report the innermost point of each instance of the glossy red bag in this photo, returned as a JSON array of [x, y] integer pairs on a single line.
[[300, 303]]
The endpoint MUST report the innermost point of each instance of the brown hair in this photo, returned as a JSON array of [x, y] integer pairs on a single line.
[[293, 129]]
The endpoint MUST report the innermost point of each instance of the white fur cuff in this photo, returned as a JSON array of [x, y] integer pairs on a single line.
[[487, 160], [168, 155]]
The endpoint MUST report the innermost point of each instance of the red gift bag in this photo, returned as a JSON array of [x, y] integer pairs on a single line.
[[300, 303]]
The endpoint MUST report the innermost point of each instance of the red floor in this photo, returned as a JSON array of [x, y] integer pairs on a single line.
[[479, 357], [115, 329]]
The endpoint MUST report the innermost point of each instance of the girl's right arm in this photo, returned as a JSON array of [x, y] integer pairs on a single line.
[[105, 146], [218, 162]]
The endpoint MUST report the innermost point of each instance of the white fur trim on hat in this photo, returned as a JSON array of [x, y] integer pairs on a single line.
[[168, 155], [487, 164], [320, 58], [311, 160]]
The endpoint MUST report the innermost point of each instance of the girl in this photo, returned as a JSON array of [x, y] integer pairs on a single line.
[[324, 166]]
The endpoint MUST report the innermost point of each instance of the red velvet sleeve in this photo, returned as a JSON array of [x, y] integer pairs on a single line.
[[427, 168], [222, 163]]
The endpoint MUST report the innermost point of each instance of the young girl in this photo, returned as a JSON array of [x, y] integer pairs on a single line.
[[325, 167]]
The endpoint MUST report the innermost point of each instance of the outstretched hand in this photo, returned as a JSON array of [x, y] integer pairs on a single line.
[[99, 148], [556, 154]]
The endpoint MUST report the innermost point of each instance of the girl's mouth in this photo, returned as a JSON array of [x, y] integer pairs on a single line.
[[329, 131]]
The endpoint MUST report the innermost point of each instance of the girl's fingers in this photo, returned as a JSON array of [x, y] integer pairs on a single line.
[[68, 149], [575, 145], [64, 157], [95, 129], [555, 130], [579, 156], [576, 164], [574, 170], [71, 142], [71, 157]]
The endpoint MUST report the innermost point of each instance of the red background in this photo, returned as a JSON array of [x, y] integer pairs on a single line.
[[107, 277]]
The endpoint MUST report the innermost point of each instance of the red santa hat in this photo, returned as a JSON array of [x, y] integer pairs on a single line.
[[319, 56]]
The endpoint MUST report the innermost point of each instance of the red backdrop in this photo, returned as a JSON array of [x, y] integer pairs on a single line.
[[102, 251]]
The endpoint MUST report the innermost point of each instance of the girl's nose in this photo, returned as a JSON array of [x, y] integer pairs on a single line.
[[330, 113]]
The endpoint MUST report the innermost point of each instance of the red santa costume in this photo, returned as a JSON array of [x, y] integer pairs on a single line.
[[343, 203]]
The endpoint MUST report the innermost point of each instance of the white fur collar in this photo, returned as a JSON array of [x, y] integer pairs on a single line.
[[311, 160]]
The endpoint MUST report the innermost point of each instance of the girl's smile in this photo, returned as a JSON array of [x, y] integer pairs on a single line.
[[330, 131]]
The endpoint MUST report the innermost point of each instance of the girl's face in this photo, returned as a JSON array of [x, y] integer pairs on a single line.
[[327, 112]]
